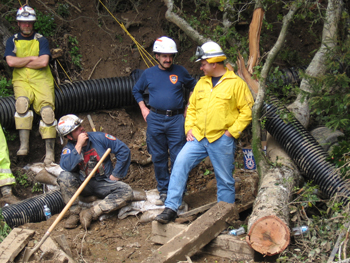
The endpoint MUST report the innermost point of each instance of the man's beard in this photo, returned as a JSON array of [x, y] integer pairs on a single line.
[[25, 32]]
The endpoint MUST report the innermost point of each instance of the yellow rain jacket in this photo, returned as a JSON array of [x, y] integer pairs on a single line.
[[35, 84], [6, 176], [213, 110]]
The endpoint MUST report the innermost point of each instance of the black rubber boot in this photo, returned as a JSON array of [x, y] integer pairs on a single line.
[[166, 216]]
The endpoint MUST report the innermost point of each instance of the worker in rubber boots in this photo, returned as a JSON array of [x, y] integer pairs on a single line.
[[78, 159], [7, 180], [28, 53], [219, 111], [165, 118]]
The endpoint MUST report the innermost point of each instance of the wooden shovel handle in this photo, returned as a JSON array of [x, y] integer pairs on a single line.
[[77, 193], [91, 123]]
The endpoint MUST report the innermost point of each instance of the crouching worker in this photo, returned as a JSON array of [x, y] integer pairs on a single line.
[[78, 159]]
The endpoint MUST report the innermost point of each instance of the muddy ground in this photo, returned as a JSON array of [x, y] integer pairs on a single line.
[[127, 240]]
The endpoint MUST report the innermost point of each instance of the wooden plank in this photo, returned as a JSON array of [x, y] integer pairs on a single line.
[[14, 243], [245, 206], [198, 210], [162, 233], [201, 209], [196, 235], [49, 246], [231, 247], [62, 242], [226, 246]]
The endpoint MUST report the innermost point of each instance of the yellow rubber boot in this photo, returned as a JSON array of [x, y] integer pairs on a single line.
[[24, 139], [50, 151]]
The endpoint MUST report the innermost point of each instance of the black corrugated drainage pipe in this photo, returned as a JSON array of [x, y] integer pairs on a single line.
[[31, 210], [304, 150], [80, 96], [98, 94]]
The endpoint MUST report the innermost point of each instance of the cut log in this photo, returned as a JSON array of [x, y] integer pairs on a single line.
[[268, 225], [225, 246], [196, 235], [14, 243]]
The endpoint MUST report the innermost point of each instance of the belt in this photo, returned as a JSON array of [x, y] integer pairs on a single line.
[[168, 112]]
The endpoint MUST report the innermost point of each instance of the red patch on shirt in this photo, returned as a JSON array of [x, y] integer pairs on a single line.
[[173, 79]]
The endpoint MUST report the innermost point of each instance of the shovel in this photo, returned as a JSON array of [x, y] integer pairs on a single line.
[[29, 252]]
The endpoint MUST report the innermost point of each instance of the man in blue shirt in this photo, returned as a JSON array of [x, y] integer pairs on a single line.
[[165, 118], [78, 159]]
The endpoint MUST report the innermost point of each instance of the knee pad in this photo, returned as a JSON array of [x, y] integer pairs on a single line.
[[47, 115], [47, 131], [24, 121], [22, 105]]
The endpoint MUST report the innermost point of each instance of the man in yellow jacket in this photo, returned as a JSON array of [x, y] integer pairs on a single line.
[[219, 111], [7, 180], [28, 53]]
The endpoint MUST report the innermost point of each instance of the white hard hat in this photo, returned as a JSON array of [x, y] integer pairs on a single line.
[[67, 124], [26, 14], [164, 45], [210, 50]]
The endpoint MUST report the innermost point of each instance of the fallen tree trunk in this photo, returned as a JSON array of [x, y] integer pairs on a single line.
[[269, 233]]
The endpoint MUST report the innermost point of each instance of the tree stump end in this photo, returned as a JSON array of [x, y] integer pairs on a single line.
[[269, 235]]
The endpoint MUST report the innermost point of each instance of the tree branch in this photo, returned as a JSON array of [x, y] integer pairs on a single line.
[[317, 67], [182, 24], [262, 87]]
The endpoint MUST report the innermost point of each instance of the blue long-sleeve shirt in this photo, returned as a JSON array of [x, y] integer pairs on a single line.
[[97, 144], [164, 86]]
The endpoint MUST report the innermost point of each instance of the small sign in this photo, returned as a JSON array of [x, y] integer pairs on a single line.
[[248, 157]]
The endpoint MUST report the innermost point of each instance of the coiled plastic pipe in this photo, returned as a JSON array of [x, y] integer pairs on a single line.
[[31, 209], [98, 94], [304, 150], [80, 96]]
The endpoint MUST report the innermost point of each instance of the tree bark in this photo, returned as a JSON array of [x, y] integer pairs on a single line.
[[254, 34], [317, 67]]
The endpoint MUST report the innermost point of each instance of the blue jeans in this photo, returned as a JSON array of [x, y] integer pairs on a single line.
[[221, 153], [163, 133]]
